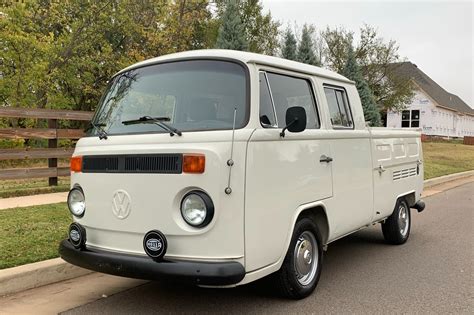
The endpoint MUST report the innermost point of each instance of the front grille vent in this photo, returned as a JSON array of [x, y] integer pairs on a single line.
[[99, 164], [408, 172], [140, 163], [161, 163]]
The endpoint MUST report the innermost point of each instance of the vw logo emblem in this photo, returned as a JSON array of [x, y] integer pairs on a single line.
[[121, 204]]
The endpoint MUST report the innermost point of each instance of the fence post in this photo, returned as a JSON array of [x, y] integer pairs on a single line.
[[53, 143]]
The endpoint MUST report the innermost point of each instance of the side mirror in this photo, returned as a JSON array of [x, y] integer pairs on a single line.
[[295, 120]]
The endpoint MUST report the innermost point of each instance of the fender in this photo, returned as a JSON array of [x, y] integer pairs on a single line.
[[264, 271]]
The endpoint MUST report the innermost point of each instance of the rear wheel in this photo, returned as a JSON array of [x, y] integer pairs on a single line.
[[299, 274], [396, 228]]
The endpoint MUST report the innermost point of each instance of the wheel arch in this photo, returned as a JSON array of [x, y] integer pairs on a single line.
[[319, 216], [316, 211], [409, 197]]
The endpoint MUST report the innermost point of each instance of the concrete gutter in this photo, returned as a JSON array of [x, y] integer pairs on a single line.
[[447, 178], [38, 274], [17, 279]]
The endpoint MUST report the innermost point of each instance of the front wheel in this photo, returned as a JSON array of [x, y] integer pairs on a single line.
[[299, 274], [396, 227]]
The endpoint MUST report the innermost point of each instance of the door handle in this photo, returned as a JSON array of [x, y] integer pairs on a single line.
[[326, 159]]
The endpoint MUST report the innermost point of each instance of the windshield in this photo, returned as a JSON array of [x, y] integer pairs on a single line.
[[192, 95]]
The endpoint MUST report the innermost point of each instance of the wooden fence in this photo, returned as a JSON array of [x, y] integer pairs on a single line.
[[52, 134]]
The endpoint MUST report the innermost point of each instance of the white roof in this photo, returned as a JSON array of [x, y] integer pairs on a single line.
[[245, 57]]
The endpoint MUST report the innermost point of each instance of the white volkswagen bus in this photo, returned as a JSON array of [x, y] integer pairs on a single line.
[[219, 167]]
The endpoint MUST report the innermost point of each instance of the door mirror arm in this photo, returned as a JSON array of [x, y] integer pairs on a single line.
[[295, 120], [282, 133]]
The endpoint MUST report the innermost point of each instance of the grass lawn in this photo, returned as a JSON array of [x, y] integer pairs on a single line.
[[443, 158], [33, 186], [32, 234]]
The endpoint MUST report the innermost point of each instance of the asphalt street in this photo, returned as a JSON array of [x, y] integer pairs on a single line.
[[431, 273]]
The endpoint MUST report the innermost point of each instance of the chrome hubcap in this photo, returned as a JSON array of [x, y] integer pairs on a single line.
[[403, 220], [306, 257]]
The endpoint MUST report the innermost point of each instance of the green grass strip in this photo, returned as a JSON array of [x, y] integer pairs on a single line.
[[32, 234]]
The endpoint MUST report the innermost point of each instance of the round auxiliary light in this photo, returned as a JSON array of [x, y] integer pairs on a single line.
[[155, 244], [197, 209], [77, 235], [76, 202]]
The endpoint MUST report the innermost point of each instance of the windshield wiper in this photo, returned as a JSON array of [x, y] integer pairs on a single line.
[[100, 130], [160, 121]]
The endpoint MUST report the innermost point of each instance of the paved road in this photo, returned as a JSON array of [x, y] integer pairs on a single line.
[[431, 273]]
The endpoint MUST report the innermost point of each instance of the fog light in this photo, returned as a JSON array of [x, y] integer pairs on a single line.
[[77, 235], [197, 209], [155, 244]]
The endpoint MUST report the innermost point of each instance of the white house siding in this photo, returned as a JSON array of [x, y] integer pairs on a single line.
[[435, 120]]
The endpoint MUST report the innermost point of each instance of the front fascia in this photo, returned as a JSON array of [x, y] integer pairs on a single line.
[[156, 198]]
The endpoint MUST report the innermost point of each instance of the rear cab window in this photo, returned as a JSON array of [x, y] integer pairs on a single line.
[[339, 107], [281, 92]]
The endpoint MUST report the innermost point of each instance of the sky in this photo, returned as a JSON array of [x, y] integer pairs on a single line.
[[437, 36]]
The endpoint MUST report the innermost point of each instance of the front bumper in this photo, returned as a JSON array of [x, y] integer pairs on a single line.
[[143, 267]]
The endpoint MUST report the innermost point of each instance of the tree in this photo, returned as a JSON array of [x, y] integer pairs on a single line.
[[289, 45], [260, 29], [375, 56], [352, 71], [61, 54], [189, 26], [231, 32], [306, 53]]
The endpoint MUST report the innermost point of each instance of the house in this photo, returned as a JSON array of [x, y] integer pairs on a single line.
[[435, 110]]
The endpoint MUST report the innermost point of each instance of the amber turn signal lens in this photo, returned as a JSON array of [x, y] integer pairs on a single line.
[[76, 164], [194, 163]]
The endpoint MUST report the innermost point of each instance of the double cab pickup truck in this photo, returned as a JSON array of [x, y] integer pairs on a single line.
[[220, 167]]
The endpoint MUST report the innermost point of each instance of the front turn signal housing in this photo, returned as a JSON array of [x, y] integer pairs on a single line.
[[76, 164], [194, 163]]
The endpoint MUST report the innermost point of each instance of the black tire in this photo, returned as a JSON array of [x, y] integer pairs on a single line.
[[286, 278], [394, 230]]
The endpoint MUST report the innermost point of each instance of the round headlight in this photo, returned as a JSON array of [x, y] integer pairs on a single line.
[[76, 202], [197, 209]]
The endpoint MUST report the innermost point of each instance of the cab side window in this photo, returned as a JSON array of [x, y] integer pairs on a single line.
[[290, 91], [338, 105], [267, 114]]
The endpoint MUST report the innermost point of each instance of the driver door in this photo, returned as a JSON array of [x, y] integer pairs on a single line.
[[282, 173]]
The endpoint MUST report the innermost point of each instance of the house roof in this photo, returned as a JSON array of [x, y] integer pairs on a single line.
[[434, 90]]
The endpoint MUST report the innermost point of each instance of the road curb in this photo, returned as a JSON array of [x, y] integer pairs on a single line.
[[447, 178], [21, 278]]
